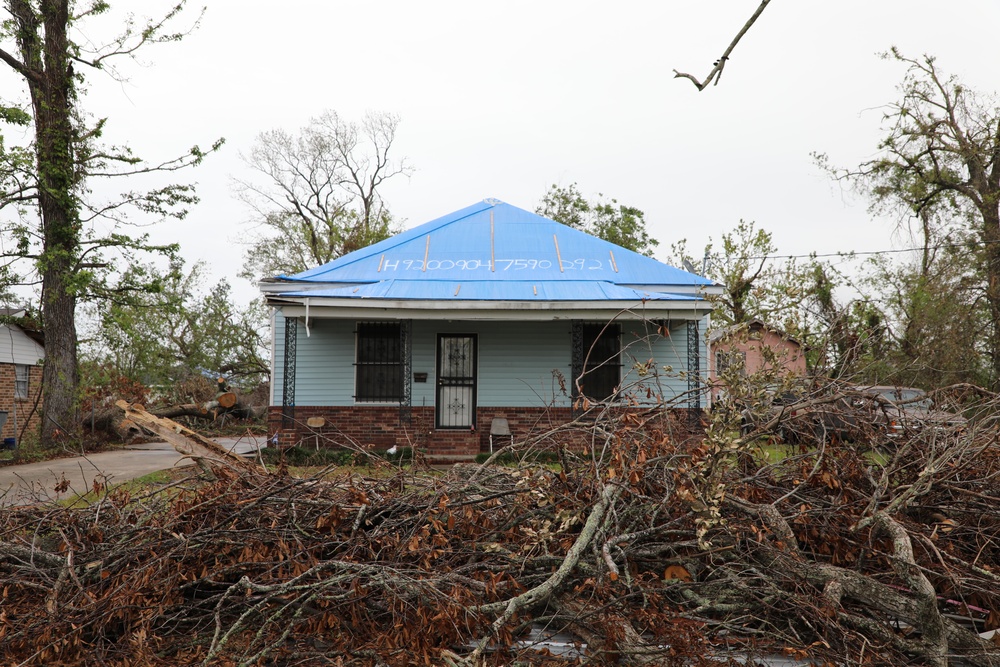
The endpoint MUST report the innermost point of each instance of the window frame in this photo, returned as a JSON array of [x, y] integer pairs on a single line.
[[20, 393]]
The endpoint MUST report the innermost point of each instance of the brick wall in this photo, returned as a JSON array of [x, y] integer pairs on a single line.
[[381, 427], [25, 407]]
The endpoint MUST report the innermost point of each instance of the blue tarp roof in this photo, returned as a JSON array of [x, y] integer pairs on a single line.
[[495, 252], [508, 290]]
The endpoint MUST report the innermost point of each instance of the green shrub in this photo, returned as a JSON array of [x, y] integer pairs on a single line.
[[305, 456]]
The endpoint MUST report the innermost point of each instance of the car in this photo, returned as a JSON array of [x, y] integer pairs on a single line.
[[908, 410], [848, 413], [802, 411]]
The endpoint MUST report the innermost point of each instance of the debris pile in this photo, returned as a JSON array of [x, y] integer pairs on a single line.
[[648, 550]]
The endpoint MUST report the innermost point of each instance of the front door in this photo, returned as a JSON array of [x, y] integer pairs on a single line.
[[456, 381]]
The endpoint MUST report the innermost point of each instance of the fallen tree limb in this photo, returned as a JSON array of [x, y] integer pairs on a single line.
[[184, 440], [457, 567]]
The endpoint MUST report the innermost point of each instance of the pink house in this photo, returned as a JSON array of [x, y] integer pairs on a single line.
[[749, 341]]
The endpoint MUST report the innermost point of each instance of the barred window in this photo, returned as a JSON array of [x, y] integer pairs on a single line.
[[601, 360], [21, 375], [379, 363]]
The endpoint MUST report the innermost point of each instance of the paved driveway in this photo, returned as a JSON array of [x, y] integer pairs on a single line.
[[31, 482]]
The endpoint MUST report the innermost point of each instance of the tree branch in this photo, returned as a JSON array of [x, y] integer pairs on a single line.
[[720, 64]]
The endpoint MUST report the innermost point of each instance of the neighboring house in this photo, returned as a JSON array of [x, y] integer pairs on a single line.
[[489, 312], [747, 343], [21, 356]]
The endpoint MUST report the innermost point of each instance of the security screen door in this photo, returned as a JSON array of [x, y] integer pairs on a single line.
[[456, 381]]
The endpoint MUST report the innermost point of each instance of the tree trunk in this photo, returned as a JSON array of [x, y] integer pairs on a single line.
[[44, 50], [991, 242]]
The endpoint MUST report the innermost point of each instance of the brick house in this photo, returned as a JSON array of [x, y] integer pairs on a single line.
[[490, 312], [22, 352]]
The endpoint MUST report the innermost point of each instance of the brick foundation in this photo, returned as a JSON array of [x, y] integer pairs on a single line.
[[381, 427]]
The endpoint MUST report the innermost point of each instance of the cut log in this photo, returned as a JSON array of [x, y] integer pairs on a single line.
[[226, 399]]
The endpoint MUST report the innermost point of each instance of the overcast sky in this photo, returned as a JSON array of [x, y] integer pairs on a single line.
[[502, 100]]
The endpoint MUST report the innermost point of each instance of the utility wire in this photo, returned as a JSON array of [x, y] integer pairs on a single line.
[[891, 251]]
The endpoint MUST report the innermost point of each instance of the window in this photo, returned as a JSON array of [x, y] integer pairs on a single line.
[[379, 363], [597, 359], [21, 375], [727, 359]]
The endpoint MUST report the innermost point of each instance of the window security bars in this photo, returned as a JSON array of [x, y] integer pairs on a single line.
[[406, 345], [379, 363], [726, 359]]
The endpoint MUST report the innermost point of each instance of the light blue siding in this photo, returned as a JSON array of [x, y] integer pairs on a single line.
[[277, 357], [655, 367], [519, 363], [516, 361], [324, 362]]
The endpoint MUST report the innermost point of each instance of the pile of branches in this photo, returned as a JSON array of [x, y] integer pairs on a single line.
[[646, 548]]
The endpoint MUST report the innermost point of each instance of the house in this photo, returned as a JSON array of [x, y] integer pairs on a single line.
[[757, 346], [21, 354], [489, 312]]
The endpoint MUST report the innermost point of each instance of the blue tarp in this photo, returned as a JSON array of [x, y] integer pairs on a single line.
[[507, 290], [496, 252]]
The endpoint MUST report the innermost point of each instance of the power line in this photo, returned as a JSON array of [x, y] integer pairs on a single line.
[[865, 253]]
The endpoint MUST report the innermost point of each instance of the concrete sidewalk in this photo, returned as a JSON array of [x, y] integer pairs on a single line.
[[35, 482]]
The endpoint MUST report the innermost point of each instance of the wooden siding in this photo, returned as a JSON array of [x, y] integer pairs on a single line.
[[516, 366]]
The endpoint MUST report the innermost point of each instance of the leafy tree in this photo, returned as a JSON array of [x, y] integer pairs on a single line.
[[848, 337], [939, 169], [935, 316], [617, 223], [179, 329], [56, 227], [319, 192], [842, 336], [755, 284]]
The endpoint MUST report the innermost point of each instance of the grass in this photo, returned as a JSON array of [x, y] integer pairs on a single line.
[[770, 452], [153, 482], [775, 452], [28, 452], [544, 457], [306, 457]]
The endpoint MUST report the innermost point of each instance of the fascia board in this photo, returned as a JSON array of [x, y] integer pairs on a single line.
[[447, 311]]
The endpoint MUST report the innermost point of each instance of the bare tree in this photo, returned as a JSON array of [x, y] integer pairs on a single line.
[[319, 193]]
